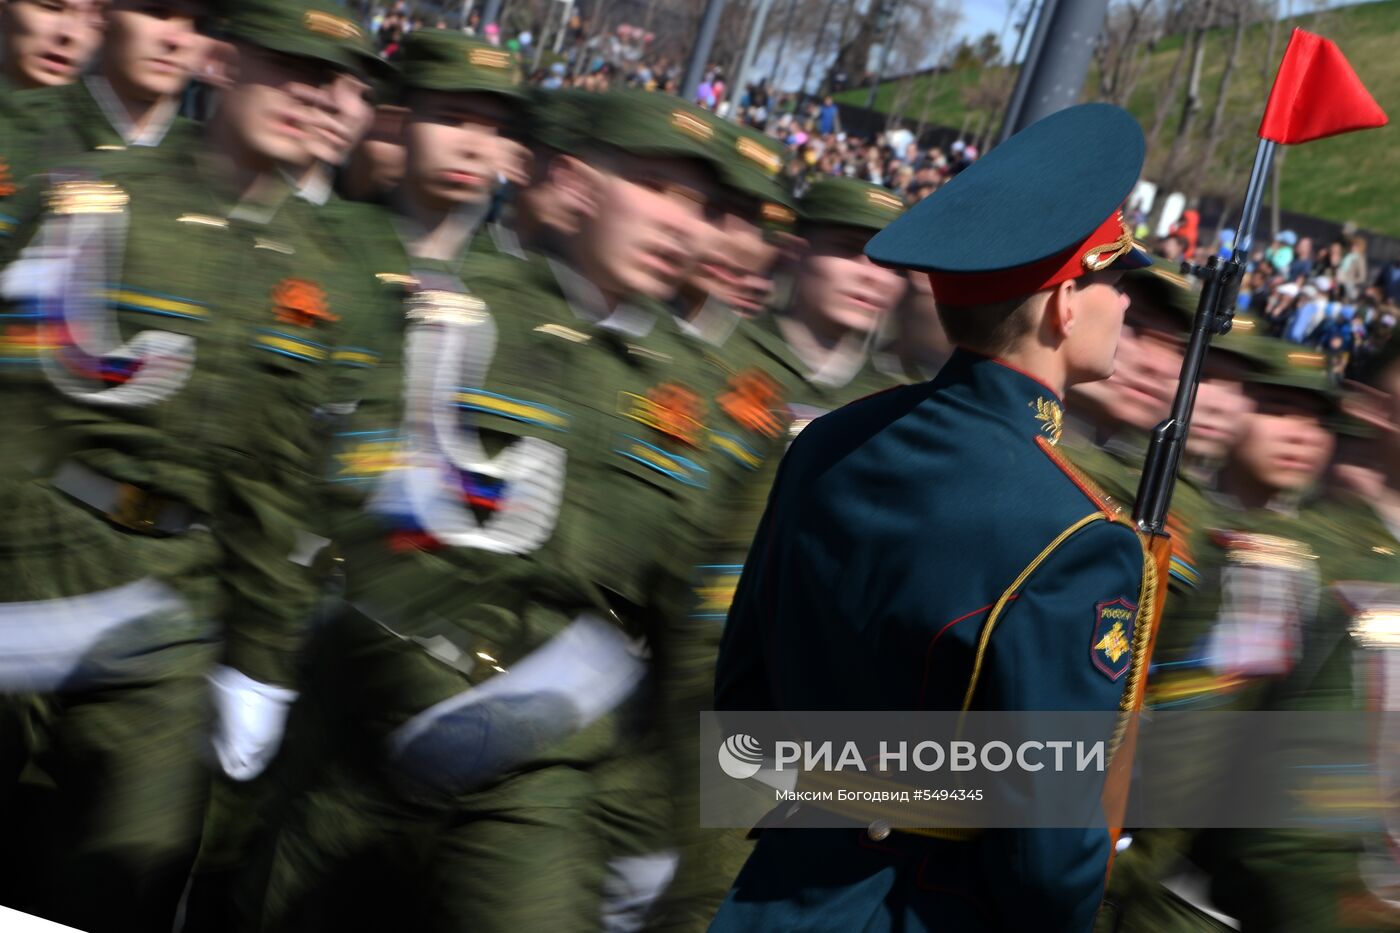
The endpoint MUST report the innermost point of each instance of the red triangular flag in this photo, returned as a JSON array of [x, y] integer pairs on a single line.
[[1316, 94]]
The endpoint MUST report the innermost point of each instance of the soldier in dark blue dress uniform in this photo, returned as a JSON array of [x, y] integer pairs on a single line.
[[929, 548]]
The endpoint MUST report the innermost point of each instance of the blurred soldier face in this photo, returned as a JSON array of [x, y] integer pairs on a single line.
[[516, 161], [343, 119], [710, 241], [153, 47], [274, 106], [649, 218], [47, 42], [453, 150], [376, 165], [1222, 408], [839, 287], [1382, 412], [1359, 467], [1091, 346], [557, 197], [919, 334], [1148, 363], [1285, 447], [736, 265]]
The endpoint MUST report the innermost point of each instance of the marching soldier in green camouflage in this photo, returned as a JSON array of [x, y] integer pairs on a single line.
[[1326, 650], [230, 871], [1268, 636], [191, 321], [130, 97], [460, 93], [1365, 529], [1107, 432], [43, 43], [1108, 441], [816, 350], [786, 370], [540, 443], [651, 793]]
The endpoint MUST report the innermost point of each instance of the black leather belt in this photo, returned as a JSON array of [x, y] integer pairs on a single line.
[[124, 504]]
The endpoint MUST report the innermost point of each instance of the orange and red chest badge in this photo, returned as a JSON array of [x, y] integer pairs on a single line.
[[669, 408], [301, 303], [751, 401]]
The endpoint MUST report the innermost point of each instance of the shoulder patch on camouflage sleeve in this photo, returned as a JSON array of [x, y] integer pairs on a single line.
[[1111, 648]]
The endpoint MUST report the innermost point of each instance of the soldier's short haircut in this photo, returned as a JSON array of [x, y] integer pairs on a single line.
[[991, 329]]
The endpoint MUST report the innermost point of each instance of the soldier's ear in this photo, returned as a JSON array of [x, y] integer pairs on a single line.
[[513, 161], [220, 69], [1368, 405], [792, 248], [1060, 311], [578, 182]]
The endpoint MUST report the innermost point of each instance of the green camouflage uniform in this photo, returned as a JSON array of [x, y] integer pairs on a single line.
[[504, 495], [1180, 677], [1261, 879], [187, 351], [755, 361]]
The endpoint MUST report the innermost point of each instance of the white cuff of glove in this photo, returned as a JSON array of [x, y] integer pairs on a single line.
[[250, 720]]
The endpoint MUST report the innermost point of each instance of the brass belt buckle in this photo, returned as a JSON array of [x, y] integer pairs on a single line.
[[135, 508]]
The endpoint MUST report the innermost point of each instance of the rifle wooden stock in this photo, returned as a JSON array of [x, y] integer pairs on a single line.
[[1118, 780]]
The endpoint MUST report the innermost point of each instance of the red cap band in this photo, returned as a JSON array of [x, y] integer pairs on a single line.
[[1096, 253]]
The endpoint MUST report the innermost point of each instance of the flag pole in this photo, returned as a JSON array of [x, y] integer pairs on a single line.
[[1254, 199]]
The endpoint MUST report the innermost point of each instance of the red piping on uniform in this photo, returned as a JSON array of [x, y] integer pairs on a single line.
[[923, 689], [1016, 369], [1056, 459]]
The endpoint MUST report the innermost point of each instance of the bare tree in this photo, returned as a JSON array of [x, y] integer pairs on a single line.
[[1168, 95], [912, 29], [931, 80], [985, 100], [1216, 126], [1174, 167], [1119, 49], [904, 90]]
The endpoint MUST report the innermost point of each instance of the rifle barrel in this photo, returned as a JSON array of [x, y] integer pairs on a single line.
[[1214, 312]]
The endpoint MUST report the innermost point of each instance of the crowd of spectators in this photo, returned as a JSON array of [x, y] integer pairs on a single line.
[[1325, 297]]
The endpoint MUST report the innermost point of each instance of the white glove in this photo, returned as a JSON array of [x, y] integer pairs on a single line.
[[251, 717]]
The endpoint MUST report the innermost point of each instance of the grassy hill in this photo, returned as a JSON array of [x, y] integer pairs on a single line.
[[1354, 177]]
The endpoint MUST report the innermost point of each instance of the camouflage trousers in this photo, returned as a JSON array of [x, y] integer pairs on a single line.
[[373, 838], [105, 717]]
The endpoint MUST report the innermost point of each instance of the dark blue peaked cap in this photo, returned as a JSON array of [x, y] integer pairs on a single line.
[[1039, 209]]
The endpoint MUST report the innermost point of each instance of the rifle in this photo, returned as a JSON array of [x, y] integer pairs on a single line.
[[1315, 94], [1215, 314], [1215, 311]]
